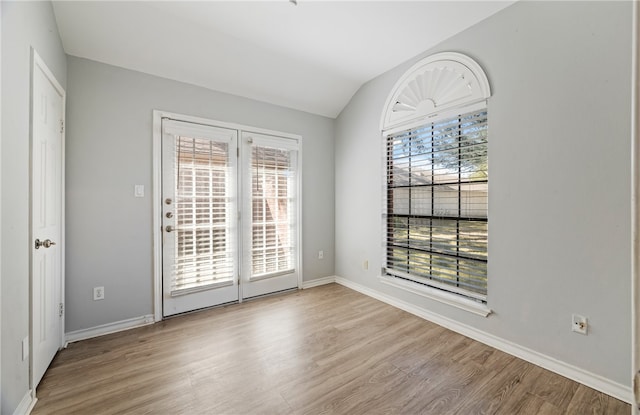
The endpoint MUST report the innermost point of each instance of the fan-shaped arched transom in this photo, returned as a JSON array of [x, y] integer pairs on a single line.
[[435, 85]]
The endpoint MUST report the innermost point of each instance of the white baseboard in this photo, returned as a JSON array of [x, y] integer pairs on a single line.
[[74, 336], [318, 281], [26, 404], [592, 380]]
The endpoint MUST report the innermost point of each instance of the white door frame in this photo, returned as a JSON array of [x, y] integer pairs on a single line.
[[37, 62], [635, 211], [0, 203], [1, 194], [158, 115]]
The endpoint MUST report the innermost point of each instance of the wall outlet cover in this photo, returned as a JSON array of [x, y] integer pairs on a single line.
[[579, 324]]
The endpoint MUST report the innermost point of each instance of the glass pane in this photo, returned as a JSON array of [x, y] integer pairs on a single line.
[[421, 200], [272, 205], [399, 198], [445, 201], [473, 239], [473, 147], [204, 253], [474, 200]]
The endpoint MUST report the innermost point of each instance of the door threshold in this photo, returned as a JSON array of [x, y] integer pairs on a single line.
[[197, 310], [273, 294], [257, 297]]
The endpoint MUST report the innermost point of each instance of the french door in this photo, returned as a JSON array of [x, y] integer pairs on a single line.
[[228, 210], [199, 215], [270, 225]]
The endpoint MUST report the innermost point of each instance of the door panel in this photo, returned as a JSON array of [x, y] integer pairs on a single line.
[[46, 219], [270, 254], [200, 215]]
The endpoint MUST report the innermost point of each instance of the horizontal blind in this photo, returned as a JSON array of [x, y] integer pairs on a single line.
[[436, 208], [203, 243], [273, 217]]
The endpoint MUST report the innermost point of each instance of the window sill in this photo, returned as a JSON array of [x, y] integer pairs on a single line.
[[438, 295]]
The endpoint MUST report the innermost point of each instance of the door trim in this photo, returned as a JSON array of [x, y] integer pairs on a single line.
[[158, 115], [1, 194], [38, 63], [635, 211]]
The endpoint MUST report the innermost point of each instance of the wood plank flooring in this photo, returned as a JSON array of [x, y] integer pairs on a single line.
[[326, 350]]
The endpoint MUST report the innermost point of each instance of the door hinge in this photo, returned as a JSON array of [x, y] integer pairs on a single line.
[[61, 126], [238, 151], [636, 389], [61, 310]]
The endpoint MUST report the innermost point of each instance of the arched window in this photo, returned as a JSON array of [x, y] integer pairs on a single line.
[[435, 132]]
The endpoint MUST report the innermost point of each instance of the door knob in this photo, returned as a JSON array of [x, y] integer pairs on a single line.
[[47, 243], [169, 228]]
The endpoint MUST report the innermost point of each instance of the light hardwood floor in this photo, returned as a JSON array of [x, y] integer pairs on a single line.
[[324, 350]]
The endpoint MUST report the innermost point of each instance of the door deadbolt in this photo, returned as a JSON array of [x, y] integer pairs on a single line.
[[47, 243], [169, 215]]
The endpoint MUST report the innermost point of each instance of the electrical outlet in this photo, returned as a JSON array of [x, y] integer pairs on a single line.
[[98, 293], [320, 254], [579, 324]]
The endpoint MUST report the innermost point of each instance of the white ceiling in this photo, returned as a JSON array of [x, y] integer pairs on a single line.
[[312, 57]]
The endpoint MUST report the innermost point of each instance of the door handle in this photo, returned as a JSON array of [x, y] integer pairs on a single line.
[[170, 228], [47, 243]]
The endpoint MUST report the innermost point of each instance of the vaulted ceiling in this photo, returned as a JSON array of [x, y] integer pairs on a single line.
[[311, 57]]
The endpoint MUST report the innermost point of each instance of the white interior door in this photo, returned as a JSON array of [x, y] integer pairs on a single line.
[[270, 206], [47, 215], [199, 216]]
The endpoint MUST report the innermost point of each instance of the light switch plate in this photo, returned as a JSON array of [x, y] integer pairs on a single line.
[[138, 190]]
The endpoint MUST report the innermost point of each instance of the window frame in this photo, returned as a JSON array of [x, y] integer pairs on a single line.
[[436, 88], [420, 285]]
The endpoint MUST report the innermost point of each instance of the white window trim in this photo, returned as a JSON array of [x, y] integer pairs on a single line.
[[468, 84], [435, 117], [422, 290], [477, 99]]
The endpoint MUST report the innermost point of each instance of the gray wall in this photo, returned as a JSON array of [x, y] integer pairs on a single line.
[[559, 202], [24, 25], [109, 143], [559, 157]]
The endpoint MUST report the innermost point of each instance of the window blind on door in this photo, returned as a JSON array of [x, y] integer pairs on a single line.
[[203, 244], [437, 204], [273, 173]]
